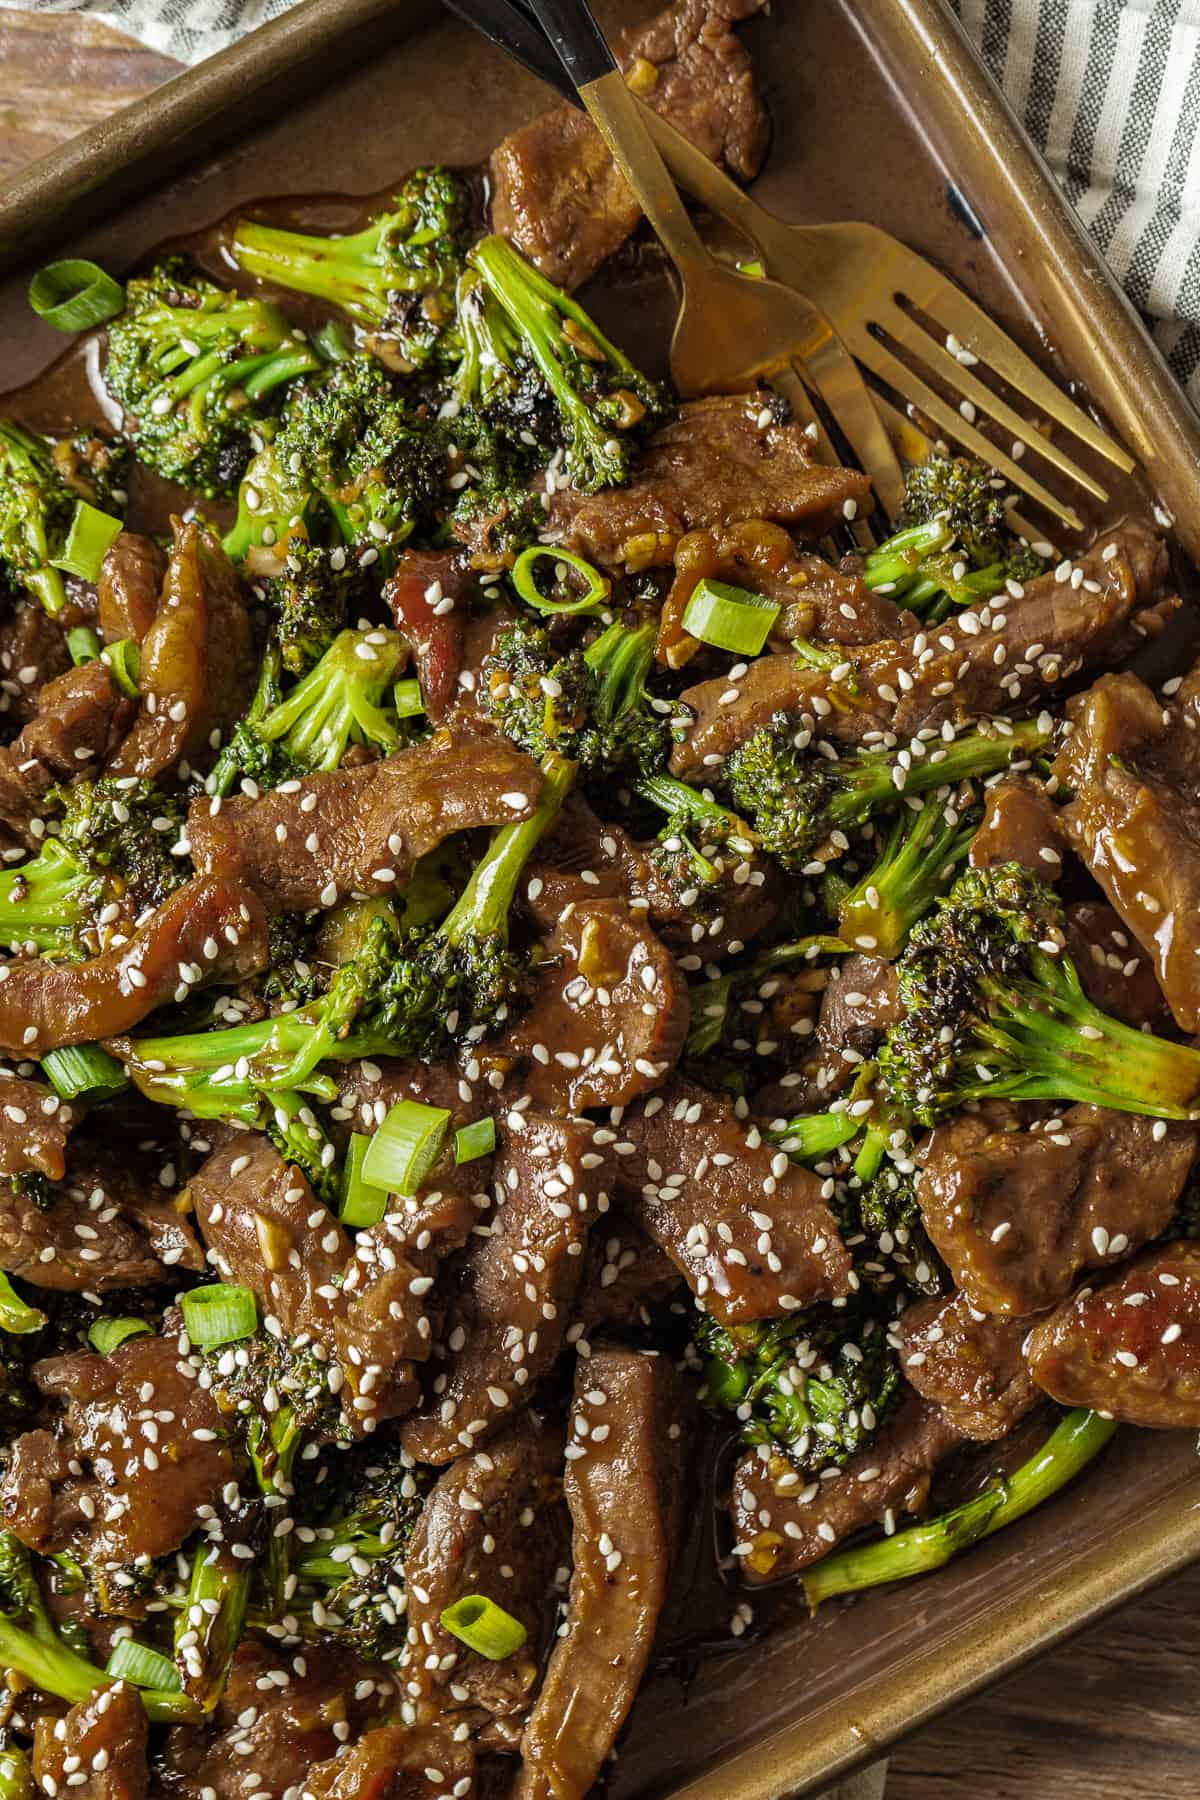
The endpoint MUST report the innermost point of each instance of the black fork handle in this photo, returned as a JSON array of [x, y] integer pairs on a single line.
[[507, 25], [572, 30]]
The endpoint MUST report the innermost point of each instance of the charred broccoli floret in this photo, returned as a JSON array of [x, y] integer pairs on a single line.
[[814, 1385], [795, 799], [36, 509], [603, 403], [112, 860], [196, 369], [589, 705], [395, 277], [993, 1008], [354, 1558], [309, 603]]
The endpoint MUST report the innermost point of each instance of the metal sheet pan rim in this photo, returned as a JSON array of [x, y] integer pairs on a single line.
[[1127, 376]]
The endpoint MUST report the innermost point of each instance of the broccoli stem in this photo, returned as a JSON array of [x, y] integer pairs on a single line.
[[57, 1670], [871, 788], [896, 562], [813, 1136], [273, 1447], [209, 1628], [483, 907], [45, 902], [1076, 1440], [679, 802], [16, 1315], [919, 859], [350, 272]]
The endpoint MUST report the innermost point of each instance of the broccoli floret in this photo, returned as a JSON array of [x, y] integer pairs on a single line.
[[795, 799], [111, 862], [355, 1562], [30, 1644], [277, 510], [917, 861], [814, 1385], [196, 370], [589, 705], [955, 545], [714, 1003], [993, 1008], [409, 991], [97, 469], [604, 404], [889, 1215], [36, 509], [395, 278], [703, 849], [309, 603], [354, 438]]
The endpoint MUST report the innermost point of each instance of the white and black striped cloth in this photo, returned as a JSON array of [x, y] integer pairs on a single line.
[[1110, 90]]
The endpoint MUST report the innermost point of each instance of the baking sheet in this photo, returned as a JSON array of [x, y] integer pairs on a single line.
[[782, 1716]]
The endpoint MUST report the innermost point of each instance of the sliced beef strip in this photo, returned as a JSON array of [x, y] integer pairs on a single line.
[[110, 1225], [1130, 1348], [858, 1001], [368, 825], [199, 664], [34, 1127], [130, 1469], [130, 585], [423, 582], [1135, 821], [584, 859], [1115, 972], [390, 1318], [746, 1228], [393, 1762], [33, 650], [81, 717], [1016, 1213], [1019, 824], [607, 1017], [511, 1298], [624, 1484], [217, 925], [283, 1713], [556, 192], [714, 465], [103, 1739], [782, 1524], [968, 1363], [1002, 658], [625, 1278], [494, 1524]]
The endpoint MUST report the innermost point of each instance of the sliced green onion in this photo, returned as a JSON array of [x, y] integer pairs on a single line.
[[407, 698], [474, 1140], [361, 1204], [16, 1315], [84, 644], [815, 1135], [75, 294], [484, 1627], [16, 1776], [596, 590], [84, 1072], [729, 618], [124, 660], [145, 1668], [91, 533], [107, 1335], [219, 1314], [405, 1147], [752, 267]]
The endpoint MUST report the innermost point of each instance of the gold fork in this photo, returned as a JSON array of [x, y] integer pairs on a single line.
[[732, 329], [857, 275]]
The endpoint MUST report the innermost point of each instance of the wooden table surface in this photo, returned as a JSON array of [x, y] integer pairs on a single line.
[[1115, 1714]]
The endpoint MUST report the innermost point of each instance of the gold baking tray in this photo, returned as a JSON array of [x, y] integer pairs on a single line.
[[881, 112]]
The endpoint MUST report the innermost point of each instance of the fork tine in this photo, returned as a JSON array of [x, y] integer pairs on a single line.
[[788, 385], [835, 375], [897, 323], [956, 313], [879, 359]]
